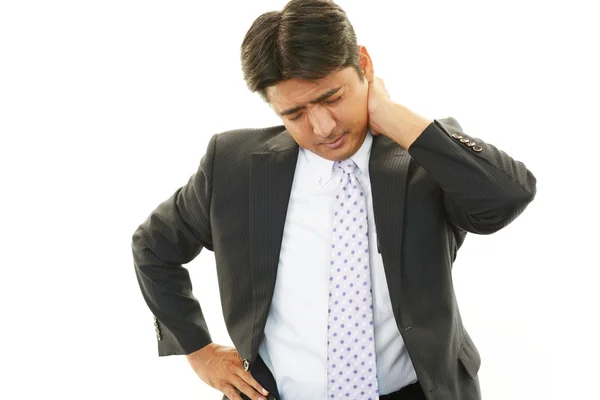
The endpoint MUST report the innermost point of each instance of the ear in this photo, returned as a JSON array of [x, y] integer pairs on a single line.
[[366, 63]]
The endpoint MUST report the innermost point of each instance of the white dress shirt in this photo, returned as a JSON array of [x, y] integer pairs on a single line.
[[295, 344]]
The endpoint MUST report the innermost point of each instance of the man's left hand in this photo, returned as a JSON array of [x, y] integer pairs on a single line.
[[378, 101], [392, 119]]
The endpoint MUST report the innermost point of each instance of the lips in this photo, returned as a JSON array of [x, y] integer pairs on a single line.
[[337, 143], [336, 140]]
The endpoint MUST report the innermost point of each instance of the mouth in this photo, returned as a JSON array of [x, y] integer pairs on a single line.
[[338, 142]]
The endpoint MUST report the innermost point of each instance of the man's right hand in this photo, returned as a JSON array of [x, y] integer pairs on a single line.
[[222, 368]]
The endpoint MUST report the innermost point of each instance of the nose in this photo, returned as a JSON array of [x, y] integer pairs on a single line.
[[321, 120]]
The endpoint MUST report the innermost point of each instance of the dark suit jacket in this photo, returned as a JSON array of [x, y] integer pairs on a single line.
[[425, 200]]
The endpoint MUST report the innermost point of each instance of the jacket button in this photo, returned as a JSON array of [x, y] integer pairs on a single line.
[[477, 148], [158, 337], [464, 140], [471, 144], [246, 365], [456, 136]]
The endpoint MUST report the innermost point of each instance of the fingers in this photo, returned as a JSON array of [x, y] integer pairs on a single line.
[[242, 381], [381, 84], [245, 388], [249, 379], [222, 368], [231, 393]]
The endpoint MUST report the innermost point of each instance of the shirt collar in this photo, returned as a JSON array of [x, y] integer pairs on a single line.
[[321, 169]]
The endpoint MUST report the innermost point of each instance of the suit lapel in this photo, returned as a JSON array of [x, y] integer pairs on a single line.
[[271, 177], [388, 171]]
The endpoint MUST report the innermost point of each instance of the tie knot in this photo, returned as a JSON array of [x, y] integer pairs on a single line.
[[347, 166]]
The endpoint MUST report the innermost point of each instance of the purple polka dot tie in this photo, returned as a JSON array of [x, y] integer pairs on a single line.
[[351, 371]]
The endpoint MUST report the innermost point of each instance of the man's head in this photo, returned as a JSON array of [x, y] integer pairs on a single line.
[[305, 62]]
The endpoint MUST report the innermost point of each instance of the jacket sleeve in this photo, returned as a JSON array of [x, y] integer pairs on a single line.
[[483, 188], [172, 235]]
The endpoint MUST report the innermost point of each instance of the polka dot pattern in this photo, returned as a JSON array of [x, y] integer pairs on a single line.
[[351, 368]]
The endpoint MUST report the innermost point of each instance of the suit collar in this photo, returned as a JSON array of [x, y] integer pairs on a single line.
[[281, 142]]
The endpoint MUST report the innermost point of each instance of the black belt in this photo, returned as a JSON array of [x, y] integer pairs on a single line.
[[410, 392]]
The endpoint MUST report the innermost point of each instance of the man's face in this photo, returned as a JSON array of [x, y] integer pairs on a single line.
[[330, 110]]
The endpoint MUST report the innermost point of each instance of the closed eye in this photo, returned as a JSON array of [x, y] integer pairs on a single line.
[[334, 100], [297, 117]]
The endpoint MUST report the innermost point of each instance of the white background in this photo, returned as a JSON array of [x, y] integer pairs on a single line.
[[106, 108]]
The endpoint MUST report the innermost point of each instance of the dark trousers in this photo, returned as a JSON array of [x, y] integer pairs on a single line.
[[410, 392]]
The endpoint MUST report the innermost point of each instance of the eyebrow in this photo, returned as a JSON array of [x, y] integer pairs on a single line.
[[317, 100]]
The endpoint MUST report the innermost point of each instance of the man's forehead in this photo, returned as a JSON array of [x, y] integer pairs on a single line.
[[298, 91]]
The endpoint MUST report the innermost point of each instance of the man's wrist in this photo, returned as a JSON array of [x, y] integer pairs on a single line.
[[405, 125]]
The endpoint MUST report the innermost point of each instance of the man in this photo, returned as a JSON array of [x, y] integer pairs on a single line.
[[334, 234]]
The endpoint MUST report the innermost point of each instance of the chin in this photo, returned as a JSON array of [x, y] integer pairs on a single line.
[[343, 154]]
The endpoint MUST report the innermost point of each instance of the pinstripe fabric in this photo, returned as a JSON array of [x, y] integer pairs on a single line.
[[425, 201]]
